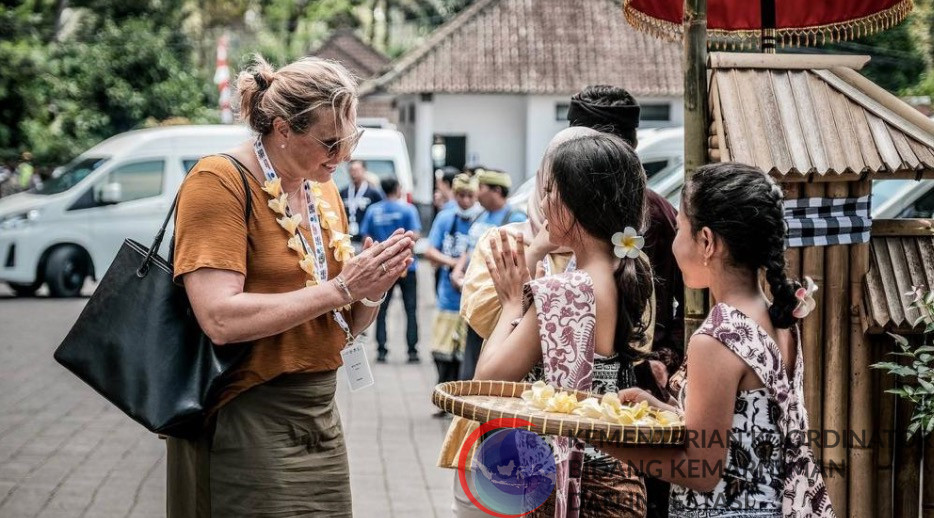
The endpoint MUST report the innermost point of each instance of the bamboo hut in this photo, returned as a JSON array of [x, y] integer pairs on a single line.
[[827, 133]]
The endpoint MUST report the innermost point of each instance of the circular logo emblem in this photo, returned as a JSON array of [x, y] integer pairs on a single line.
[[512, 474]]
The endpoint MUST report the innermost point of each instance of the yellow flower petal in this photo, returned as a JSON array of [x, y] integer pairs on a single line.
[[329, 219], [639, 410], [589, 407], [316, 189], [307, 263], [539, 395], [562, 403], [295, 243], [666, 418], [310, 283], [290, 224], [344, 253], [343, 249], [611, 399], [280, 204], [625, 418], [273, 187]]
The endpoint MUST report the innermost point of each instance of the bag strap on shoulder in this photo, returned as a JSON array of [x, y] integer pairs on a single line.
[[157, 241]]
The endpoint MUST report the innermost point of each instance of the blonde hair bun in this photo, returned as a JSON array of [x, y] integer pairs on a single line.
[[294, 92]]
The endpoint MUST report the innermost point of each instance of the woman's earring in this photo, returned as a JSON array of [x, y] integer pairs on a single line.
[[282, 146]]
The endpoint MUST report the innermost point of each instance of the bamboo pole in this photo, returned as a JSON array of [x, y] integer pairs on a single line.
[[861, 461], [927, 470], [812, 265], [836, 364], [885, 427], [695, 128], [907, 466]]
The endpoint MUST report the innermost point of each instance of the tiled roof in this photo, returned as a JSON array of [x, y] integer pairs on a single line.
[[896, 264], [798, 115], [537, 47], [361, 59]]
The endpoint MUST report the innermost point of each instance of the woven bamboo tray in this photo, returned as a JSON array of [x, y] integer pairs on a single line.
[[486, 400]]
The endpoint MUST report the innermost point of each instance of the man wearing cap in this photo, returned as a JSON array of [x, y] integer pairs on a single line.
[[448, 240], [492, 193]]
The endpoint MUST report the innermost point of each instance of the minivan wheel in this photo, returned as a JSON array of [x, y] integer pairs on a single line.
[[65, 271], [24, 290]]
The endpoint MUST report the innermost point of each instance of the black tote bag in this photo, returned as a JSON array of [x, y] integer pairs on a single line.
[[138, 344]]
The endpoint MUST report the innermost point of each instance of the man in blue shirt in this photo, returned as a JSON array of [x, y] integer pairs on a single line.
[[492, 193], [448, 239], [379, 223]]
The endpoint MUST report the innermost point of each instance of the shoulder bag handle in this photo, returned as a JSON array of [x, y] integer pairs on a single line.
[[157, 242]]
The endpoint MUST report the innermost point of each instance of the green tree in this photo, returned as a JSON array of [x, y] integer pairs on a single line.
[[112, 81], [25, 30], [898, 58], [117, 66]]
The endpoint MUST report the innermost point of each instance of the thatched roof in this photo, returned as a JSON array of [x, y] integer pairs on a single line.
[[537, 47], [800, 116]]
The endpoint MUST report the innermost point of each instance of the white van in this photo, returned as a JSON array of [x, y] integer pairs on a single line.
[[72, 227], [385, 155], [660, 150]]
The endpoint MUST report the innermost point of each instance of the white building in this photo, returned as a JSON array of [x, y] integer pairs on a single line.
[[494, 83]]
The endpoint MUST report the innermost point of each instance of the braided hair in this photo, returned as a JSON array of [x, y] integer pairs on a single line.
[[743, 206]]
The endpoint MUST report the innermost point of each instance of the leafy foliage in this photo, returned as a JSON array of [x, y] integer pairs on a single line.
[[917, 369], [898, 58], [118, 65]]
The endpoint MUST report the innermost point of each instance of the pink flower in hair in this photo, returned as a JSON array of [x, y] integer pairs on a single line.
[[805, 296]]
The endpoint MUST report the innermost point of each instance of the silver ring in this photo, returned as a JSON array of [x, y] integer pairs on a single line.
[[383, 266]]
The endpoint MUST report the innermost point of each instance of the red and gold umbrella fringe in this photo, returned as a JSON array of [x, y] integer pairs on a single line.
[[719, 39]]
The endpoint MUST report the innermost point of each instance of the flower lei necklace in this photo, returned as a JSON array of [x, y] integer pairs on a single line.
[[321, 215]]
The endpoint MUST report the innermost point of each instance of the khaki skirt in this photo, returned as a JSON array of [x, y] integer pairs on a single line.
[[448, 335], [276, 450]]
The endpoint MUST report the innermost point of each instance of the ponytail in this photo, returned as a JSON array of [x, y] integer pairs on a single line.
[[634, 289]]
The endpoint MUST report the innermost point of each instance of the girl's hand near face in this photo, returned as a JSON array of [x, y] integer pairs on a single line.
[[540, 246], [508, 269]]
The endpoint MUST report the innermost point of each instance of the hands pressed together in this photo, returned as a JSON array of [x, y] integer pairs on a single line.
[[371, 273], [508, 268]]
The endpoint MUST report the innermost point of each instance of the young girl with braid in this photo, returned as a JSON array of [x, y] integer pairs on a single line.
[[742, 402]]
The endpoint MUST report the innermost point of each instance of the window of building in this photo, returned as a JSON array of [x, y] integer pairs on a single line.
[[656, 112], [561, 111]]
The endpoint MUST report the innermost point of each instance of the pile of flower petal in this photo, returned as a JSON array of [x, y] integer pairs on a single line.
[[609, 408]]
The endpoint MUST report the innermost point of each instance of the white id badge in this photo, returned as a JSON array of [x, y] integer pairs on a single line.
[[353, 228], [356, 366]]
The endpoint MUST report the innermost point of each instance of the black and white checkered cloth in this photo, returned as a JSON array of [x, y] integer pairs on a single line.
[[827, 221]]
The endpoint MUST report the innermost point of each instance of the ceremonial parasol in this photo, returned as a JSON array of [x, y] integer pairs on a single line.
[[745, 23]]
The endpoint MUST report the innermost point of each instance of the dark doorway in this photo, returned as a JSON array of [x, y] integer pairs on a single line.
[[455, 150]]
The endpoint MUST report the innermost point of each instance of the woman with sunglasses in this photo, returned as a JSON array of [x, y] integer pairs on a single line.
[[282, 277]]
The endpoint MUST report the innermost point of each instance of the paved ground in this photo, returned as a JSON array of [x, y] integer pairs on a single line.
[[65, 452]]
